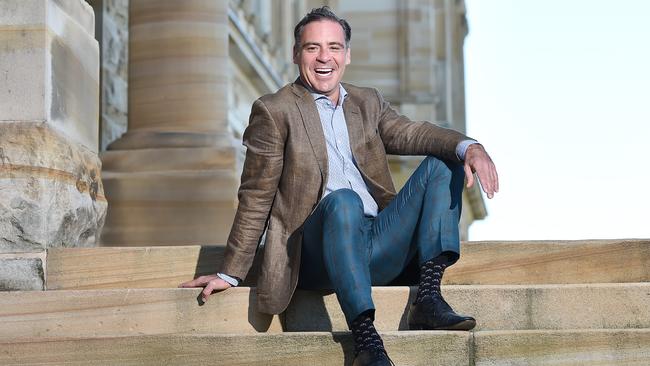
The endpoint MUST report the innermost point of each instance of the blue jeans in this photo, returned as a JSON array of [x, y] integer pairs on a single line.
[[347, 251]]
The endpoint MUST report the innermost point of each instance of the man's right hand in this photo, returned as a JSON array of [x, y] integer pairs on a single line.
[[209, 283]]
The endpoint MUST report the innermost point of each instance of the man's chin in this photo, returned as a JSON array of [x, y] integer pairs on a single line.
[[324, 89]]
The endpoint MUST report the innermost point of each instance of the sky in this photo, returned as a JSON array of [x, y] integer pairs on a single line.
[[558, 91]]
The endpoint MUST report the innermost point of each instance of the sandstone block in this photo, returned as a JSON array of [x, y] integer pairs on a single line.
[[569, 347], [288, 349], [86, 268], [50, 64], [90, 313], [548, 261], [21, 274], [122, 267], [193, 207]]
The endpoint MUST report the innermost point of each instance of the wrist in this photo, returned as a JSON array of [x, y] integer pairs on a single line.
[[232, 281]]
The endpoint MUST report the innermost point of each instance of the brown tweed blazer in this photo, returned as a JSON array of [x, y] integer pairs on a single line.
[[285, 173]]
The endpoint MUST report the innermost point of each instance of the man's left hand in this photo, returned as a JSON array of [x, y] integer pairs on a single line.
[[478, 161]]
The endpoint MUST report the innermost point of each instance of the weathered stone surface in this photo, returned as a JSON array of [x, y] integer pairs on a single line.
[[288, 349], [17, 12], [51, 193], [114, 45], [111, 313], [569, 347], [18, 274]]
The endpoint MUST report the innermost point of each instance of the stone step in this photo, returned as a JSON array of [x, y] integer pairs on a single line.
[[562, 347], [495, 307], [109, 313], [551, 262], [287, 349], [86, 313], [483, 348], [488, 263], [131, 267]]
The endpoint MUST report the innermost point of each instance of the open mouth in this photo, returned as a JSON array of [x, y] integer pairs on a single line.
[[324, 71]]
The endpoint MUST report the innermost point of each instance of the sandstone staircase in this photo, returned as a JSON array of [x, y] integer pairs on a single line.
[[536, 303]]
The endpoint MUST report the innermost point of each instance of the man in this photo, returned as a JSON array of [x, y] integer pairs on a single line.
[[316, 178]]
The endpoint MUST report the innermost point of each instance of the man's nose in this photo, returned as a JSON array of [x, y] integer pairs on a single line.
[[324, 55]]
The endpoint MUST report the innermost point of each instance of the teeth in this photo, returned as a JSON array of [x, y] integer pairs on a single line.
[[324, 71]]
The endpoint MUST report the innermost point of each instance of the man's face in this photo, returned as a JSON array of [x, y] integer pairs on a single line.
[[321, 57]]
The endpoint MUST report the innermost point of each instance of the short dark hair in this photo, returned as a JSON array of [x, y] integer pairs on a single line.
[[318, 14]]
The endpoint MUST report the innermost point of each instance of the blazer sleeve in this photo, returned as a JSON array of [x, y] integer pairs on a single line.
[[259, 183], [401, 136]]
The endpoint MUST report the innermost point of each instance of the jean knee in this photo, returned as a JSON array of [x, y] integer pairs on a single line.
[[344, 203], [445, 170]]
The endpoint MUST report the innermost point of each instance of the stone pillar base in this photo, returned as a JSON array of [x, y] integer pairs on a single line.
[[51, 195], [169, 196]]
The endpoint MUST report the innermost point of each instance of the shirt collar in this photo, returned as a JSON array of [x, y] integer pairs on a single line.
[[342, 94]]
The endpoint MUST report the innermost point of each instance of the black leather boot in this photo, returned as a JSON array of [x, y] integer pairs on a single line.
[[433, 313], [372, 357]]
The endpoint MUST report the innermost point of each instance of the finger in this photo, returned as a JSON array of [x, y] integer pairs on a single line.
[[486, 184], [494, 179], [188, 283], [197, 282], [469, 175], [207, 291]]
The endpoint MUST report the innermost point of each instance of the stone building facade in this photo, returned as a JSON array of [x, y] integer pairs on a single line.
[[163, 97], [415, 59]]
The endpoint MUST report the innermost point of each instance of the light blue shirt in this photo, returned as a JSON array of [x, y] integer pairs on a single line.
[[343, 171]]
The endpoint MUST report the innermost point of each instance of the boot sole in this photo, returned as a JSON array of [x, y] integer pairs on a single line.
[[464, 325]]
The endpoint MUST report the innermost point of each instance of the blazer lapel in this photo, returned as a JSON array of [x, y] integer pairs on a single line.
[[355, 130], [311, 121]]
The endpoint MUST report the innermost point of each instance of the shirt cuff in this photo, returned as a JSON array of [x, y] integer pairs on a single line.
[[234, 282], [461, 149]]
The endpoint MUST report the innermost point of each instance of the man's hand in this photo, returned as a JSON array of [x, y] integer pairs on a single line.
[[209, 283], [478, 161]]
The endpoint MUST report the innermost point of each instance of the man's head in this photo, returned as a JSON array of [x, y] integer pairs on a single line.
[[321, 50]]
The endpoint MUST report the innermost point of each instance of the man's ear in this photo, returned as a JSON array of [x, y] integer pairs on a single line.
[[347, 56], [296, 51]]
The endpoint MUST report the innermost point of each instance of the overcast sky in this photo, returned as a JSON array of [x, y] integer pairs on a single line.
[[558, 91]]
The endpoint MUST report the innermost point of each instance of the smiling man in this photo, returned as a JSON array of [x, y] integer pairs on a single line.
[[321, 54], [316, 180]]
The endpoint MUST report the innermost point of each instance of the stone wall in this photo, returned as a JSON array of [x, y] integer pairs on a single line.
[[114, 70]]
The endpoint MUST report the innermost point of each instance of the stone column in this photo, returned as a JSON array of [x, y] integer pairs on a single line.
[[51, 194], [172, 178]]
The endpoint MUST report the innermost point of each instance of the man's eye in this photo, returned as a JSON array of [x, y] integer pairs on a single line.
[[312, 49]]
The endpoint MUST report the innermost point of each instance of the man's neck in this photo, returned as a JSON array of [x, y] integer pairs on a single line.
[[334, 98]]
